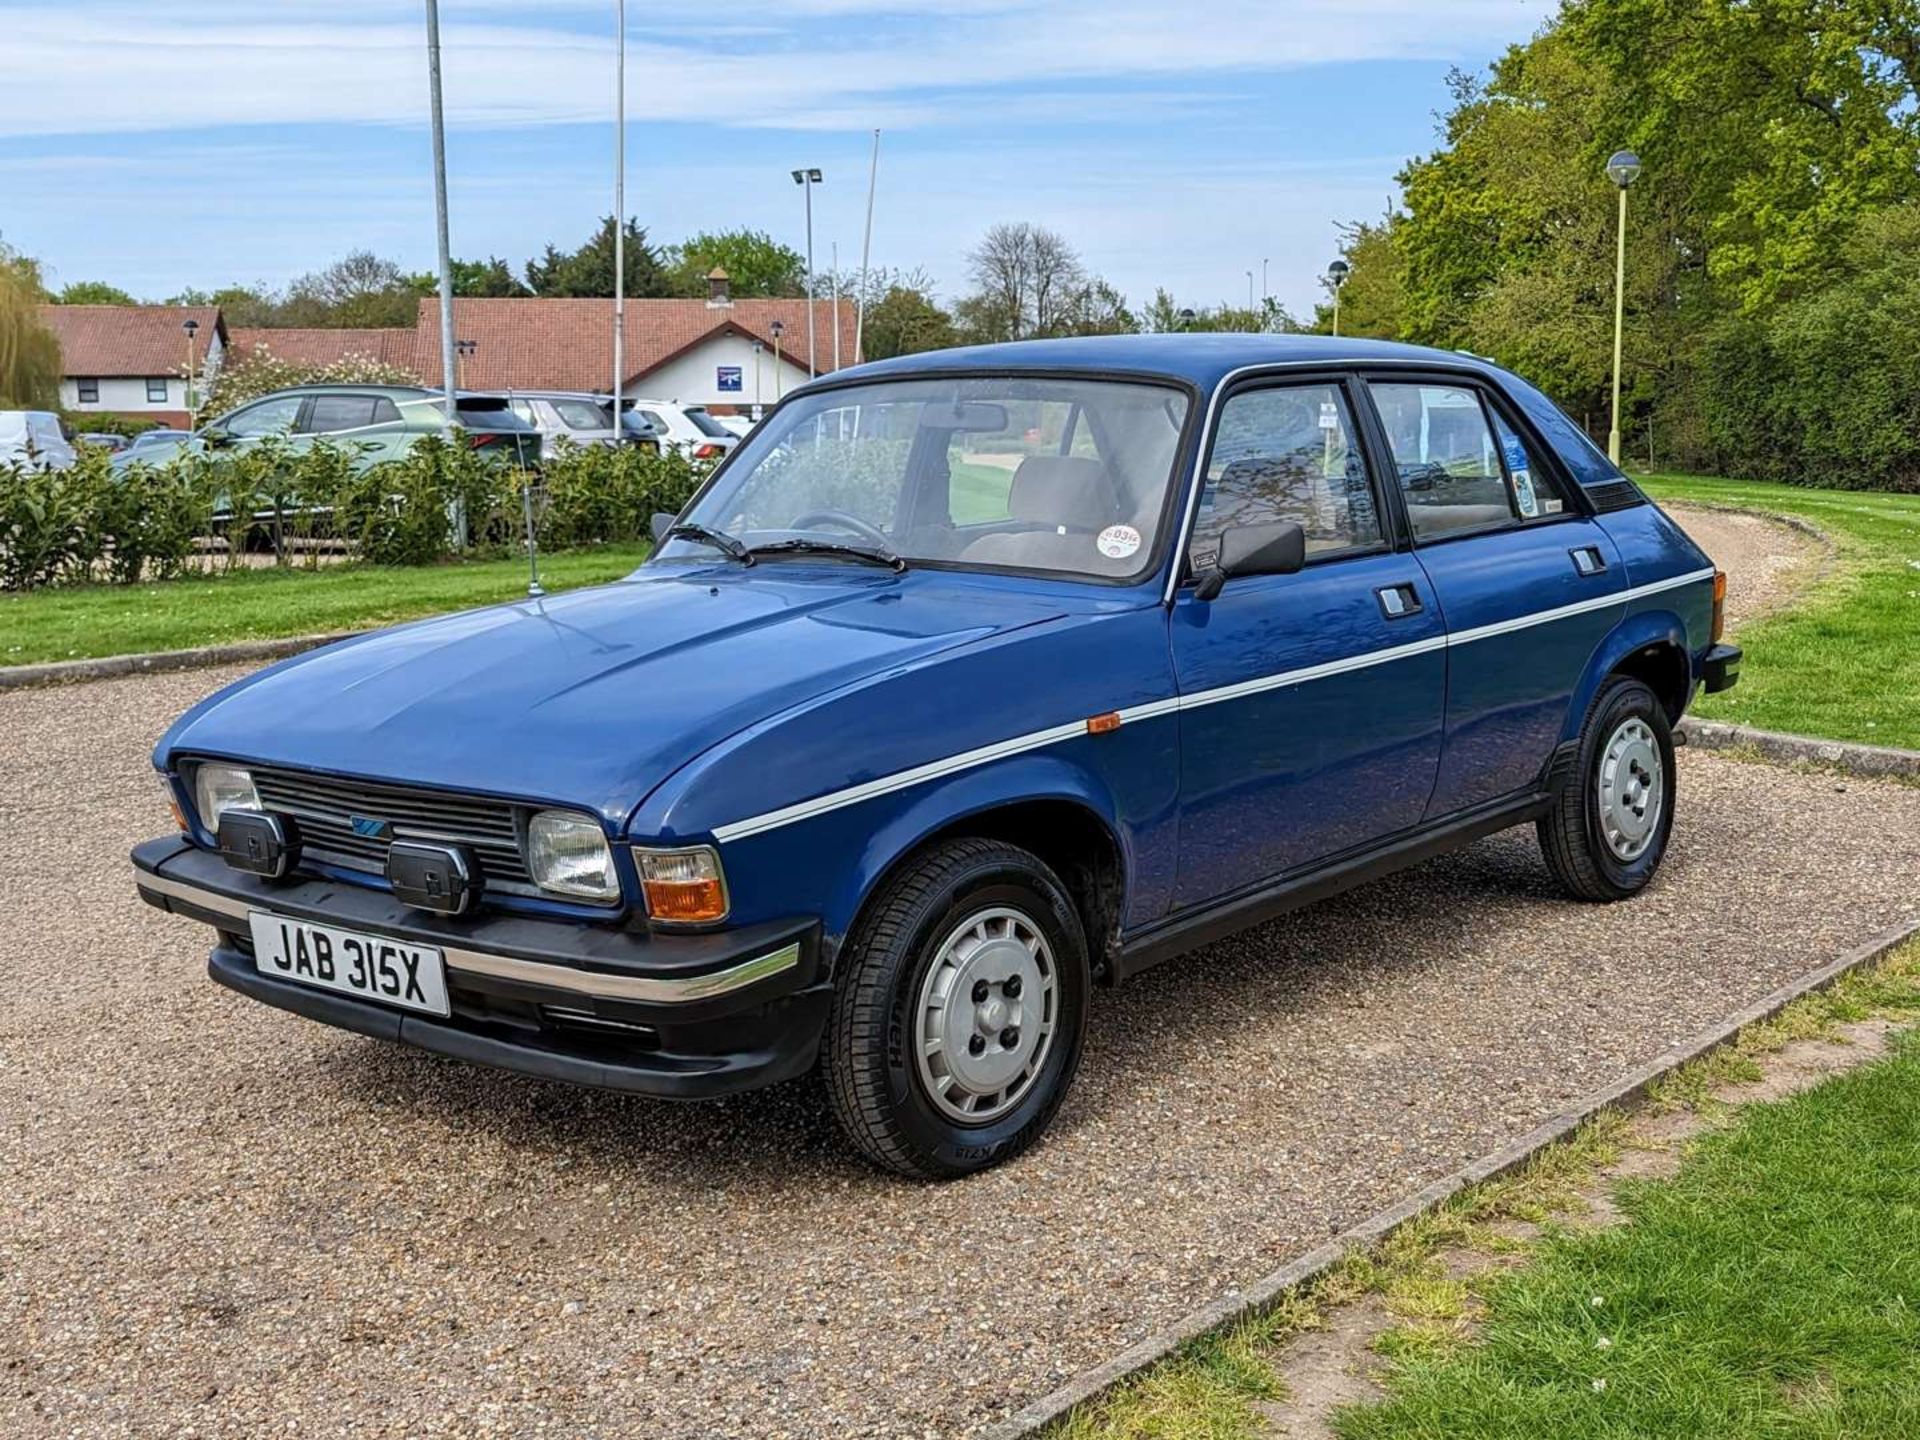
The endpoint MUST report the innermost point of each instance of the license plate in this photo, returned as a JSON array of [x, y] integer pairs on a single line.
[[367, 967]]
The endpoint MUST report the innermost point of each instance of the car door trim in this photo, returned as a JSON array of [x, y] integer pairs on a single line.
[[1054, 735]]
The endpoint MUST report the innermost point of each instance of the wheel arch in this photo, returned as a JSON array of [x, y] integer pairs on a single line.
[[1052, 809], [1650, 647]]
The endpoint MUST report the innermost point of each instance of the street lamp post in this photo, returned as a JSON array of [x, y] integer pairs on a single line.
[[1337, 274], [778, 328], [1622, 167], [619, 211], [1187, 317], [1250, 305], [806, 180], [1264, 291], [758, 351], [191, 326], [456, 510]]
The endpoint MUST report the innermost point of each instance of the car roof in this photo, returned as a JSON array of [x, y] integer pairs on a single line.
[[1202, 359], [352, 387]]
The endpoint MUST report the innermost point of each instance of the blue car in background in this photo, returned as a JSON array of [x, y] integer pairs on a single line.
[[969, 681]]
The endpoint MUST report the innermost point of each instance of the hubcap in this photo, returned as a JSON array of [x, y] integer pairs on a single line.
[[1631, 789], [986, 1014]]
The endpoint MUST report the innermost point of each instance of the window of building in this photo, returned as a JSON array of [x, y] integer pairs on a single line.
[[88, 391], [156, 390], [1282, 454]]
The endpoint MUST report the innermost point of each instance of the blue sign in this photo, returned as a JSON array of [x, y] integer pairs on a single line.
[[730, 378]]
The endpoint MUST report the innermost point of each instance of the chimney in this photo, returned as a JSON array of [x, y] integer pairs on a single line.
[[718, 289]]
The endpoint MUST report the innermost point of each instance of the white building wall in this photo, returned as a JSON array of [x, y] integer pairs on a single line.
[[694, 378], [120, 394]]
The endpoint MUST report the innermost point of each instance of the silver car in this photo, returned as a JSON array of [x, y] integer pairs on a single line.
[[33, 438], [576, 417]]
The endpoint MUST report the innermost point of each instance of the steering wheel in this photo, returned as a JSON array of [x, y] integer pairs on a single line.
[[864, 529]]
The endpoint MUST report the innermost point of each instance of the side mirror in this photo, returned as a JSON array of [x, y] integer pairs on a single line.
[[216, 438], [662, 522], [1277, 549]]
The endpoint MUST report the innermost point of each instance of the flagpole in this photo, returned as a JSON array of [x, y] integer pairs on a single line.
[[866, 252]]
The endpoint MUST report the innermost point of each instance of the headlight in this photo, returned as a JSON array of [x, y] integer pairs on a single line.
[[220, 788], [568, 854], [683, 886]]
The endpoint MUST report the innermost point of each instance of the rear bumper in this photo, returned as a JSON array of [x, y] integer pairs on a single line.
[[681, 1016], [1720, 668]]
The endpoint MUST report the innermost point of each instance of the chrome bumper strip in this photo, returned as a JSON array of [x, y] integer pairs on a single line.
[[649, 989]]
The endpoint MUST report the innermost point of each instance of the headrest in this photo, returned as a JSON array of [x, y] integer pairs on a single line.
[[1070, 490]]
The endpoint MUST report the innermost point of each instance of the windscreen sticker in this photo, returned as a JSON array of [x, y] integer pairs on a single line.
[[1117, 542], [1329, 415]]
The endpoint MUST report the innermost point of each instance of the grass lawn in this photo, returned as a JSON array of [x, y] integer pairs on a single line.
[[1845, 661], [1772, 1288], [84, 621]]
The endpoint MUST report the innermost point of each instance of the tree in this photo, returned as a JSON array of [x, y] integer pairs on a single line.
[[358, 291], [1163, 315], [756, 264], [250, 374], [29, 355], [93, 292], [489, 279], [1025, 282], [242, 306], [906, 321], [1373, 301], [588, 272]]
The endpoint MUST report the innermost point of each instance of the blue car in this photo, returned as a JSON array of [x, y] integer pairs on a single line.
[[969, 681]]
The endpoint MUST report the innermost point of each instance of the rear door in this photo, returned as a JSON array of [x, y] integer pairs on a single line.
[[1310, 704], [1529, 583]]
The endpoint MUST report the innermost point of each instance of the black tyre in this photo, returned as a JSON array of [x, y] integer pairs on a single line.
[[1608, 830], [960, 1013]]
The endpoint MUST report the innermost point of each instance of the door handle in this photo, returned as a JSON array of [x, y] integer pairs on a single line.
[[1588, 560], [1399, 601]]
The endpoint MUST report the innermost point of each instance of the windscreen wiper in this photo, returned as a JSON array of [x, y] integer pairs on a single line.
[[718, 539], [875, 555]]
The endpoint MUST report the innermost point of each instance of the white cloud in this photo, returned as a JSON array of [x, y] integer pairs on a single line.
[[801, 64]]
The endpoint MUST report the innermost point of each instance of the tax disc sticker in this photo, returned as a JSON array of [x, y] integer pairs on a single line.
[[1117, 542], [1329, 415]]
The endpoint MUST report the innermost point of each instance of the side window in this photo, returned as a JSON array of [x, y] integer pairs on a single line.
[[1287, 454], [269, 417], [524, 409], [385, 412], [333, 413], [1446, 457], [1535, 495], [581, 415]]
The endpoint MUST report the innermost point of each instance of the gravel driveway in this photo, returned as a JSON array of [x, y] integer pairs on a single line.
[[219, 1220]]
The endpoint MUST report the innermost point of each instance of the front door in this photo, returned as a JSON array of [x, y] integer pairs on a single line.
[[1530, 584], [1310, 704]]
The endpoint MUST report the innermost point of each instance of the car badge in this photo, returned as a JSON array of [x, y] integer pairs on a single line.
[[372, 828]]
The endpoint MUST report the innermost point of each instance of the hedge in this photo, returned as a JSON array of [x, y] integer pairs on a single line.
[[93, 522]]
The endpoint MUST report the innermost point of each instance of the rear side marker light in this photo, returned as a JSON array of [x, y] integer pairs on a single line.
[[1719, 604], [1103, 724]]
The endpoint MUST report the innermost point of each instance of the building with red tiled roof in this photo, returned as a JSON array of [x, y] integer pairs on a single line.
[[133, 359], [716, 352]]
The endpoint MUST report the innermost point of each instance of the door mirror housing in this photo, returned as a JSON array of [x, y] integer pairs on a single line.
[[1276, 549], [662, 522]]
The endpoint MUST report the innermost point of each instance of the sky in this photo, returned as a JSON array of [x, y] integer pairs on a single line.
[[1174, 144]]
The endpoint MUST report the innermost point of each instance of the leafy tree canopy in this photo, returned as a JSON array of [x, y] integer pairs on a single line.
[[588, 271], [29, 355], [93, 292], [756, 264]]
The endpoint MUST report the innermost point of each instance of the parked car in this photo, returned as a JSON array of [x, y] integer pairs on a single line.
[[973, 679], [741, 425], [33, 438], [380, 422], [157, 447], [579, 417], [102, 440], [686, 428]]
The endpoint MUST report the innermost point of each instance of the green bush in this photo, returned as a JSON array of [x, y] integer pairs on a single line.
[[92, 522]]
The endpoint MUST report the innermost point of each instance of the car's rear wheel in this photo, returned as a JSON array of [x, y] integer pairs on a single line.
[[958, 1022], [1608, 830]]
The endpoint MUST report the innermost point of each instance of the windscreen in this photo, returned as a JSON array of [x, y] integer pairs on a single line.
[[1060, 475]]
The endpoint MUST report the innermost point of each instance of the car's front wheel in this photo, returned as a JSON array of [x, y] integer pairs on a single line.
[[960, 1012], [1608, 830]]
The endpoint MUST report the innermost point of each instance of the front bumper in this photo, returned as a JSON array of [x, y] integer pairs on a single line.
[[682, 1016], [1720, 668]]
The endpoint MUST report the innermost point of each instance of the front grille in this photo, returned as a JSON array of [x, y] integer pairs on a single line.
[[323, 807]]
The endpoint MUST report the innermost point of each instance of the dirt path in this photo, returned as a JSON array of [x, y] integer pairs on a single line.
[[218, 1219], [1767, 563]]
